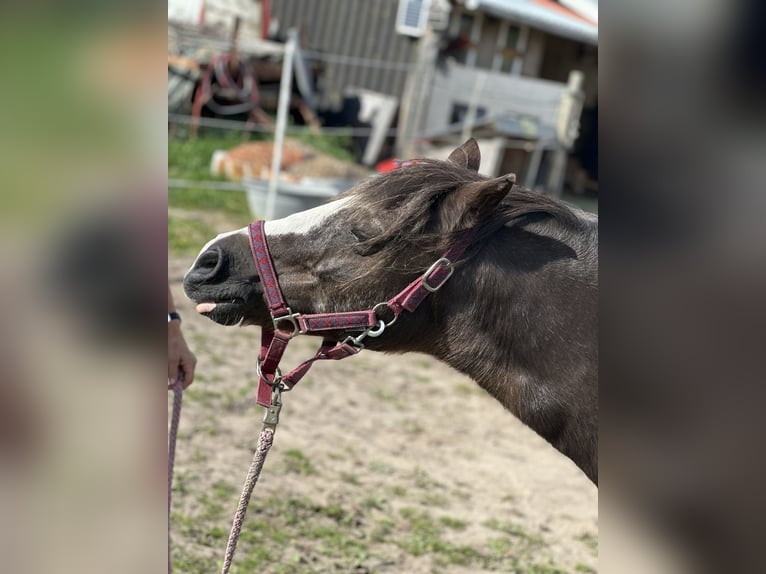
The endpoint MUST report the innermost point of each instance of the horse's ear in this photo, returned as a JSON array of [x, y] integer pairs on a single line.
[[475, 201], [467, 155]]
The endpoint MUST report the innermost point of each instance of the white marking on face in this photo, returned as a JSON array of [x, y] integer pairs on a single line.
[[244, 231], [303, 222]]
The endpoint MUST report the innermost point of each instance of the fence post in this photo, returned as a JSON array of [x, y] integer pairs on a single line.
[[417, 90], [279, 131]]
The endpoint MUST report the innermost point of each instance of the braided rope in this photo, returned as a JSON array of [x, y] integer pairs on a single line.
[[265, 440], [178, 393]]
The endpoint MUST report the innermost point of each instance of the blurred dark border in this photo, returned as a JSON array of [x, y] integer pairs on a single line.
[[683, 247]]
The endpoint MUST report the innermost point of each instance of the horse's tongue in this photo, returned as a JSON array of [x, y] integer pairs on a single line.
[[205, 307]]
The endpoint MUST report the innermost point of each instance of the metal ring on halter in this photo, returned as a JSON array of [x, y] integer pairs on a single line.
[[377, 332], [277, 375], [385, 304]]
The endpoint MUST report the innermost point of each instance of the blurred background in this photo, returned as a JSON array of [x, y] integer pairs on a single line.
[[369, 85]]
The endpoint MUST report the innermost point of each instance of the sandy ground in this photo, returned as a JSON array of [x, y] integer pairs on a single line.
[[404, 464]]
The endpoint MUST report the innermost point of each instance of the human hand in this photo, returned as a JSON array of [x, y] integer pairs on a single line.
[[181, 361]]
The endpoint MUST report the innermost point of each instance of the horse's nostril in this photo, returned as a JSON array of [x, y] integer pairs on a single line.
[[208, 265], [209, 259]]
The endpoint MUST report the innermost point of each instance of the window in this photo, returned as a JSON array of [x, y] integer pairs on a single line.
[[509, 50]]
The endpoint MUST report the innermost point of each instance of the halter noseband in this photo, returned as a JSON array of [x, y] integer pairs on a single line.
[[274, 343]]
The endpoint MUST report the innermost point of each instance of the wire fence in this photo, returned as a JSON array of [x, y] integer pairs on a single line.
[[237, 125], [538, 103]]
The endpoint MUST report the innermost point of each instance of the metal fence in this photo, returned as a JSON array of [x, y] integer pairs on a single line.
[[361, 35]]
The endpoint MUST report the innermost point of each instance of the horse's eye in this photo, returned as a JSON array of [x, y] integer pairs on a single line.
[[358, 235]]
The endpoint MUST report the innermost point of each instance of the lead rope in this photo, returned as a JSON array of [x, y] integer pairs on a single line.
[[265, 440], [178, 393]]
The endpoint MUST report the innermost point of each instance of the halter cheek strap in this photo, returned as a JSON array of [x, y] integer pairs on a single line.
[[274, 342]]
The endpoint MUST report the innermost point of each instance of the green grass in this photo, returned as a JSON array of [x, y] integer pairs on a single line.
[[298, 463], [186, 236], [190, 159], [590, 540], [350, 537], [453, 523], [336, 146], [230, 202], [513, 530]]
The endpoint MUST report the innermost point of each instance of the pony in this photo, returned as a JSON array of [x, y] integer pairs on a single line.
[[518, 314]]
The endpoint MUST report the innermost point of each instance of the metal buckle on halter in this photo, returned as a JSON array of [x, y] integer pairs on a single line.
[[277, 382], [292, 318], [369, 332], [439, 262]]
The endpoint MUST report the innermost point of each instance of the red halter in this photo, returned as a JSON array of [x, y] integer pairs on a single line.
[[274, 343]]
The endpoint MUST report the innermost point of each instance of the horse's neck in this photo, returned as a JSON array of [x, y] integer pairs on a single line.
[[527, 337]]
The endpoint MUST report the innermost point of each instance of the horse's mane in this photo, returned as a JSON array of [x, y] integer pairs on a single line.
[[410, 196]]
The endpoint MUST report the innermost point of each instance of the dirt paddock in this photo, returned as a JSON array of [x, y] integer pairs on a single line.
[[381, 463]]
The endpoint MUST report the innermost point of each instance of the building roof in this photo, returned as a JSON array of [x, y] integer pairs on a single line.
[[547, 15]]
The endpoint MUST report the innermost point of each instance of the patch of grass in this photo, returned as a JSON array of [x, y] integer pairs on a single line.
[[399, 491], [584, 568], [229, 201], [453, 523], [298, 463], [211, 509], [337, 146], [199, 455], [375, 503], [423, 363], [382, 530], [422, 480], [224, 491], [412, 427], [337, 543], [254, 560], [349, 478], [190, 158], [590, 540], [543, 569], [424, 536], [513, 530], [500, 548], [203, 396], [187, 236], [384, 394], [435, 499], [189, 562], [379, 467], [465, 389]]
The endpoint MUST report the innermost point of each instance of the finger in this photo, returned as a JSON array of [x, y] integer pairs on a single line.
[[173, 368], [189, 366]]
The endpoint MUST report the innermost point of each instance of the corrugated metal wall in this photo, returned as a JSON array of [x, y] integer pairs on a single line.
[[356, 29]]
